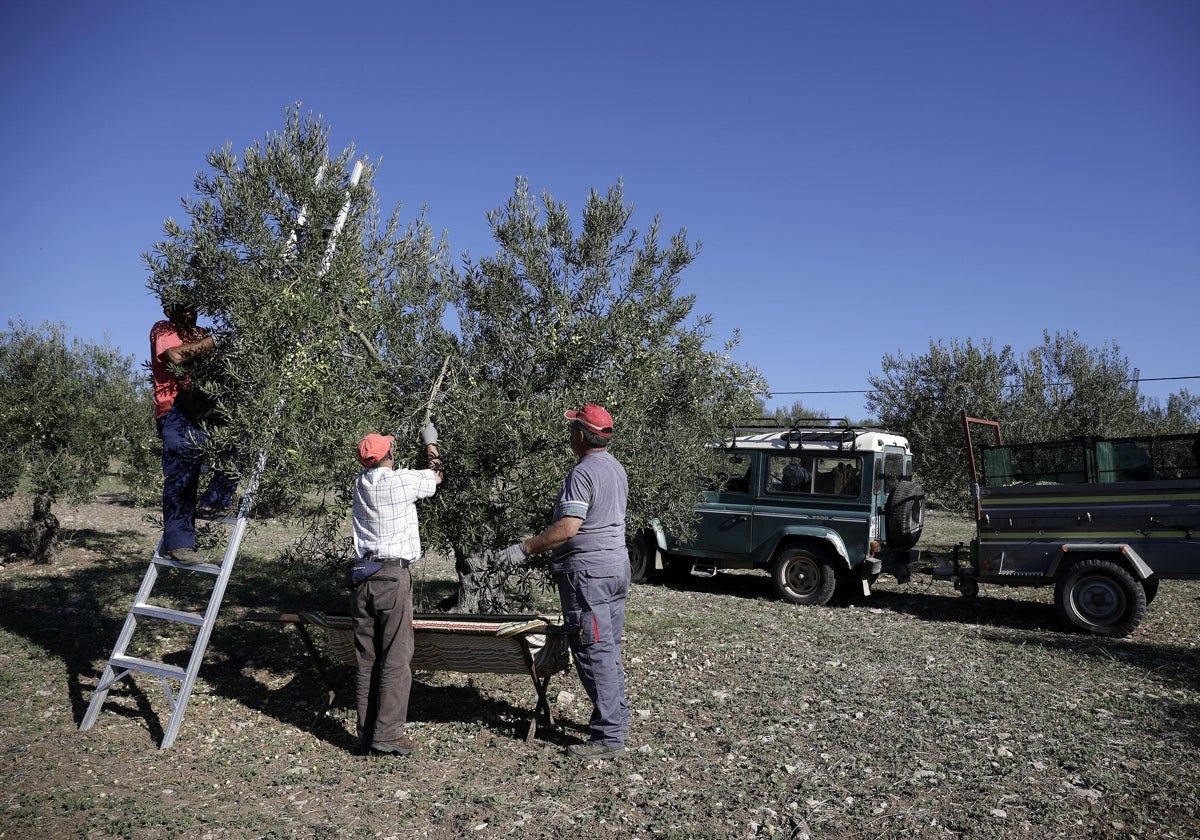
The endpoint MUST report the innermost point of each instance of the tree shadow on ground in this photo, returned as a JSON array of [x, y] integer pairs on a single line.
[[104, 543], [993, 616], [911, 600], [75, 615]]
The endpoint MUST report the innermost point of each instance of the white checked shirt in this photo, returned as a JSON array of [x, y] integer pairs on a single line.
[[385, 513]]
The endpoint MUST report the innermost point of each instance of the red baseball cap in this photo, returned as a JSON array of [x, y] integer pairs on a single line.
[[595, 418], [374, 448]]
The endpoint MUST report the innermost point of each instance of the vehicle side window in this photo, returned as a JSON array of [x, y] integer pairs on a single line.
[[806, 474], [729, 473], [838, 476], [789, 474]]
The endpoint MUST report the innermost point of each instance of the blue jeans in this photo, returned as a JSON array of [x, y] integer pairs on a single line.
[[181, 439], [594, 601]]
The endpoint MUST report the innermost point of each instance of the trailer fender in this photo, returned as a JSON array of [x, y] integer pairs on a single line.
[[1136, 564]]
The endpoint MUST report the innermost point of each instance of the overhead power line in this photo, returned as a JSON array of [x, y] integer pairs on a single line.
[[1053, 384]]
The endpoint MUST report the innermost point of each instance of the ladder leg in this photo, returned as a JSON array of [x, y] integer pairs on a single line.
[[109, 677], [98, 697], [206, 627]]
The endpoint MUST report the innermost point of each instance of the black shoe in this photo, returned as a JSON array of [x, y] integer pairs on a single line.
[[400, 746], [594, 750]]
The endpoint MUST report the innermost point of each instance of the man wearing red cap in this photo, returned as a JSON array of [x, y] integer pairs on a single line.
[[386, 543], [591, 567]]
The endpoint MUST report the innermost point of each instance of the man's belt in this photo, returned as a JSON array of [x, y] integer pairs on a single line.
[[389, 562]]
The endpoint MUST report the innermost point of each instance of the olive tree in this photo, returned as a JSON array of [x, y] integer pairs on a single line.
[[65, 404], [1060, 389], [1178, 414], [562, 315], [328, 318], [1065, 388], [318, 345], [923, 397]]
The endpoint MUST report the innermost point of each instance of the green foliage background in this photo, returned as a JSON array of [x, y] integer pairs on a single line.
[[318, 346], [67, 408], [1058, 390]]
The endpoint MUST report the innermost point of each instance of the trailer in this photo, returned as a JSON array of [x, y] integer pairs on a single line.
[[1103, 520]]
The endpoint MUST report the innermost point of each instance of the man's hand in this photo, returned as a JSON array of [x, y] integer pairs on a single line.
[[514, 555], [429, 435]]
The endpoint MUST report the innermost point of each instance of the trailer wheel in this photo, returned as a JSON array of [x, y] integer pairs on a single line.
[[1100, 597], [904, 514], [803, 576], [642, 552]]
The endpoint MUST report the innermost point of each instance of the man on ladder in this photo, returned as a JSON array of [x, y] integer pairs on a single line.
[[179, 411], [173, 342]]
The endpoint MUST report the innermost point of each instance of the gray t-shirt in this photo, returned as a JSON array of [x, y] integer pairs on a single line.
[[595, 490]]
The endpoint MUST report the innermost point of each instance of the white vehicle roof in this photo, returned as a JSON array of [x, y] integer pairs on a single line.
[[820, 439]]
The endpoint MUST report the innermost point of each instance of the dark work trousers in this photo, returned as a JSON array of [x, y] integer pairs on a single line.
[[383, 642], [181, 440], [594, 601]]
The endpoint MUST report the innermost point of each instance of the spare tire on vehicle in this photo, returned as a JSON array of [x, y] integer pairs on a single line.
[[904, 514]]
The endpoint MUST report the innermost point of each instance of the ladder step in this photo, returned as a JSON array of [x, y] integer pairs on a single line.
[[133, 663], [168, 614], [206, 568]]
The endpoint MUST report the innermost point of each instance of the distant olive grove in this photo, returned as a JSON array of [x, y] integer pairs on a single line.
[[1060, 389], [73, 412]]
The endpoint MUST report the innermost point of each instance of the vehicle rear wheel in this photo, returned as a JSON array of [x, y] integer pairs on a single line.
[[803, 576], [904, 514], [642, 551], [1100, 597]]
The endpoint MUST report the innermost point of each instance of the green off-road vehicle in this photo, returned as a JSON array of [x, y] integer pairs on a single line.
[[818, 507]]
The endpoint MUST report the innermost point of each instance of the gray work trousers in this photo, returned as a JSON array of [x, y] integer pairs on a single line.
[[383, 642], [594, 602]]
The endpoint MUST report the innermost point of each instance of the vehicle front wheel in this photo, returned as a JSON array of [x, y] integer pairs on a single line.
[[642, 551], [1100, 597], [803, 576]]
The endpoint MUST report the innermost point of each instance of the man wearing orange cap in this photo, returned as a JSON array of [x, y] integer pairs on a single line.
[[591, 567], [386, 543]]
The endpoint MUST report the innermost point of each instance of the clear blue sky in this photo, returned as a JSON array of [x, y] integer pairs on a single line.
[[864, 176]]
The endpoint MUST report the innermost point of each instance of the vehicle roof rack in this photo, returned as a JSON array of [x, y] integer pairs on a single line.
[[800, 430]]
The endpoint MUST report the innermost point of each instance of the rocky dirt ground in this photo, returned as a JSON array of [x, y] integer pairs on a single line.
[[913, 713]]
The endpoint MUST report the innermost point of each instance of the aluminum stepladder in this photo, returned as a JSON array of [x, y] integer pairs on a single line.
[[120, 664]]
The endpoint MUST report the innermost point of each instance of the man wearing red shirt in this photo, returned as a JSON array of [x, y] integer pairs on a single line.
[[173, 343]]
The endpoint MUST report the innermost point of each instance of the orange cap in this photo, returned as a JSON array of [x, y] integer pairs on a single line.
[[374, 448]]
